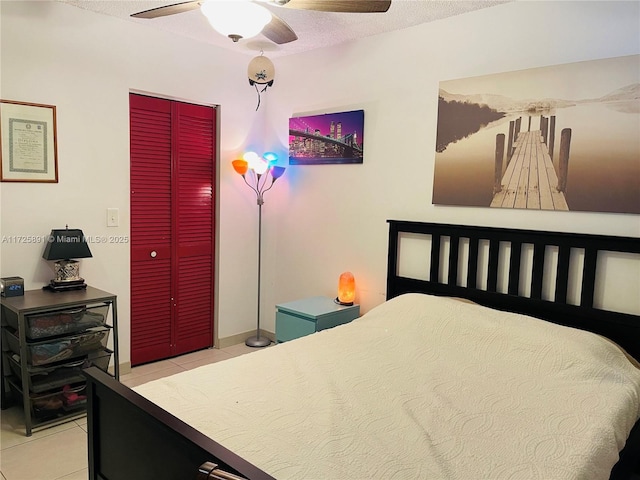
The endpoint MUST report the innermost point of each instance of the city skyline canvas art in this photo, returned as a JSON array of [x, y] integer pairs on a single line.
[[331, 138]]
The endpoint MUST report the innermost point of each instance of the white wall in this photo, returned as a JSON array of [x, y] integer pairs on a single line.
[[334, 216], [85, 64], [318, 220]]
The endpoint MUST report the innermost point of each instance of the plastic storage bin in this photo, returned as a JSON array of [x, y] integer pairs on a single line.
[[61, 322], [51, 405], [59, 349], [45, 378]]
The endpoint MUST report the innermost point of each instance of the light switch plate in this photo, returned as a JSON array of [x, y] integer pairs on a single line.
[[112, 217]]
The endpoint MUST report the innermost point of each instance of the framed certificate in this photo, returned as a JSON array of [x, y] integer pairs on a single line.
[[28, 150]]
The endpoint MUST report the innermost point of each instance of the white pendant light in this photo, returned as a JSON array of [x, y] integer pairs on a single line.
[[236, 19]]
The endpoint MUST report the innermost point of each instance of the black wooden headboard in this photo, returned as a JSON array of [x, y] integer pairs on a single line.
[[466, 247]]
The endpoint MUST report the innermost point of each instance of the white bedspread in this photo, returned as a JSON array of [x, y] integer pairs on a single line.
[[420, 387]]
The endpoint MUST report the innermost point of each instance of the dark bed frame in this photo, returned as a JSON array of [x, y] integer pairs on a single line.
[[130, 437]]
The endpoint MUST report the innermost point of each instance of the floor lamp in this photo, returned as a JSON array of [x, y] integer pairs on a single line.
[[259, 170]]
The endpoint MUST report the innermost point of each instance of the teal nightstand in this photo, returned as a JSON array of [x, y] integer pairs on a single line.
[[302, 317]]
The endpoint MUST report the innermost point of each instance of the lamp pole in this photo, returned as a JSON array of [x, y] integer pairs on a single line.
[[260, 169], [257, 340]]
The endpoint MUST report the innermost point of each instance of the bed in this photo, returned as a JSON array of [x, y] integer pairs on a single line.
[[492, 363]]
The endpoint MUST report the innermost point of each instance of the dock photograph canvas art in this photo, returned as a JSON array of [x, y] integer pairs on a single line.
[[562, 137]]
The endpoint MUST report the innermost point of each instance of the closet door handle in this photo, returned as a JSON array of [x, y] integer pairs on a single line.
[[154, 254]]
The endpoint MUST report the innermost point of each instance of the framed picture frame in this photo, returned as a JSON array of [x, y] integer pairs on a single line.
[[542, 138], [28, 142], [330, 138]]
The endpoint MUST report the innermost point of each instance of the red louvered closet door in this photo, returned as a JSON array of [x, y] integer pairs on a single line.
[[172, 222]]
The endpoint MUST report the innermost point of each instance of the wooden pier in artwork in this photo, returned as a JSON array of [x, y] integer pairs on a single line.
[[530, 180]]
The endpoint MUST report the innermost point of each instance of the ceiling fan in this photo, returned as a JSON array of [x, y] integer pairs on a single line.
[[245, 18]]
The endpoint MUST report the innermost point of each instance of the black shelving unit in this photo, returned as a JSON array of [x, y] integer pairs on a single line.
[[48, 338]]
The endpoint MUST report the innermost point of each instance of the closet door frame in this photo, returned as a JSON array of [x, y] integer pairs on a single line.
[[174, 228]]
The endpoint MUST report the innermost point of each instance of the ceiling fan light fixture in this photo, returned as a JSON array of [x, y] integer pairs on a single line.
[[235, 18]]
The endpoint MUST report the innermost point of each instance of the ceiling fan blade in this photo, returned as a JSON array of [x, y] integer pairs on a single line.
[[278, 31], [167, 10], [341, 6]]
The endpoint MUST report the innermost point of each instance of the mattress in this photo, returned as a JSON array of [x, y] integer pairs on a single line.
[[419, 387]]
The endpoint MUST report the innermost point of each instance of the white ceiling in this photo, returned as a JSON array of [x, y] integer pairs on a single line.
[[314, 29]]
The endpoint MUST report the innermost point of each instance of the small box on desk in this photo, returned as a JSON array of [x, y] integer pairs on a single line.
[[11, 286]]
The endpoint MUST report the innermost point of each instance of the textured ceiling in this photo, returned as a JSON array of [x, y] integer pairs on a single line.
[[314, 29]]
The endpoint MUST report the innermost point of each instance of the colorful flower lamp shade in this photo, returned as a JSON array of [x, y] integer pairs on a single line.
[[346, 289], [259, 170], [63, 246]]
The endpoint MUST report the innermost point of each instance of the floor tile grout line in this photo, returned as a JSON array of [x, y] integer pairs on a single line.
[[39, 434], [71, 473], [42, 437], [218, 355]]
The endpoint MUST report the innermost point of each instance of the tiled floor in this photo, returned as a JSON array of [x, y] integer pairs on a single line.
[[60, 452]]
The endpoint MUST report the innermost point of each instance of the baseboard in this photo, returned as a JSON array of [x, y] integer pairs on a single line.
[[125, 368], [241, 337]]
